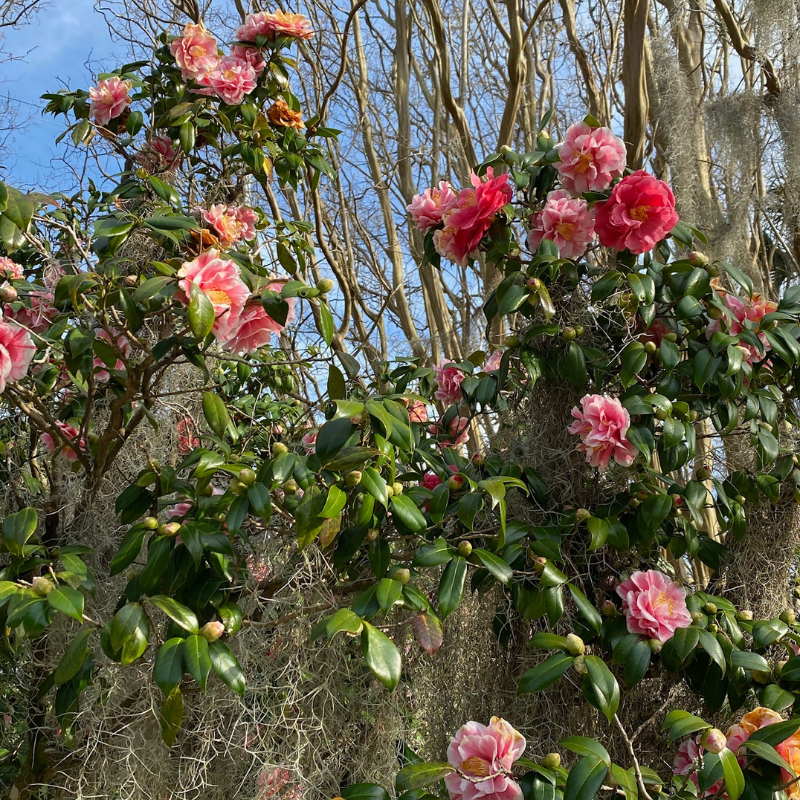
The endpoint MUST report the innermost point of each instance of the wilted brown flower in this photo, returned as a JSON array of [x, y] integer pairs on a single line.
[[279, 113]]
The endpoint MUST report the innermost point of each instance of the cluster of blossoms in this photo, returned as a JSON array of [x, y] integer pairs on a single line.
[[231, 223], [241, 324], [483, 756], [654, 605], [687, 759], [638, 214]]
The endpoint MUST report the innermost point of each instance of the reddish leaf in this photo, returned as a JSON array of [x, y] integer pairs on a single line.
[[428, 633]]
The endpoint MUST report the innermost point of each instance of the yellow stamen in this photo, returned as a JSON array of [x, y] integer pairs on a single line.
[[218, 297], [584, 161], [566, 230], [475, 766], [639, 213]]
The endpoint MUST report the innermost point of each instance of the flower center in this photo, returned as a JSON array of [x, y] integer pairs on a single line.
[[566, 230], [197, 51], [639, 213], [663, 600], [475, 766], [218, 297], [229, 75], [584, 161]]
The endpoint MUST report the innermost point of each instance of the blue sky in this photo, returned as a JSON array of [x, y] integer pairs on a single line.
[[64, 44]]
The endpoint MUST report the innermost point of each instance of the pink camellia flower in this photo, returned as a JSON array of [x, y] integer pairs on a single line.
[[309, 441], [655, 333], [122, 345], [187, 436], [566, 221], [195, 52], [231, 223], [36, 317], [448, 378], [743, 311], [252, 55], [71, 433], [10, 269], [458, 429], [590, 158], [16, 353], [639, 213], [179, 511], [109, 99], [430, 480], [219, 279], [158, 155], [271, 25], [254, 327], [471, 216], [486, 753], [428, 208], [492, 364], [654, 605], [246, 218], [230, 80], [417, 411], [602, 424]]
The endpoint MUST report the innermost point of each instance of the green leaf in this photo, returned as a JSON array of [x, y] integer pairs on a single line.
[[308, 522], [130, 632], [332, 437], [129, 549], [365, 791], [548, 641], [388, 593], [171, 716], [216, 413], [198, 659], [633, 359], [170, 666], [201, 313], [343, 620], [545, 674], [747, 660], [775, 734], [381, 655], [184, 616], [451, 586], [260, 501], [585, 779], [604, 684], [734, 779], [73, 658], [586, 746], [337, 498], [18, 528], [587, 610], [68, 601], [375, 484], [416, 776], [326, 324], [768, 753], [598, 528], [575, 365], [227, 667], [440, 552], [404, 508], [710, 644], [495, 565]]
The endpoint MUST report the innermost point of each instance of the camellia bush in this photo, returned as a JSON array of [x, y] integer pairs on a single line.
[[123, 300]]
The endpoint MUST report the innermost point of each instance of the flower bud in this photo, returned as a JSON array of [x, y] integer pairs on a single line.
[[131, 280], [247, 476], [42, 586], [579, 330], [150, 523], [402, 575], [634, 502], [290, 487], [608, 609], [238, 487], [568, 333], [455, 483], [279, 448], [575, 645], [579, 665], [389, 490], [650, 347], [788, 616], [8, 294], [534, 283], [353, 478], [697, 617], [694, 416], [714, 740], [511, 341], [712, 270], [671, 337], [372, 534], [221, 517], [397, 489], [582, 514], [714, 312], [740, 499], [551, 761], [539, 563], [710, 608], [170, 529], [655, 645], [211, 631], [713, 627], [703, 474], [661, 414], [464, 549], [478, 459], [325, 285], [761, 676], [745, 615], [698, 259]]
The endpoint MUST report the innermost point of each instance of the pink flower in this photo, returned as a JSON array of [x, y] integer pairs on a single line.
[[417, 411], [430, 480], [427, 209], [195, 52], [37, 317], [187, 437], [71, 433], [230, 80], [566, 221], [246, 218], [656, 332], [743, 311], [448, 379], [309, 441], [654, 605], [178, 511], [231, 223], [639, 213], [487, 752], [16, 353], [590, 158], [602, 425], [472, 214], [109, 99], [458, 429], [219, 279], [158, 155], [255, 327], [10, 268], [252, 55], [685, 758], [121, 344], [271, 25], [492, 364]]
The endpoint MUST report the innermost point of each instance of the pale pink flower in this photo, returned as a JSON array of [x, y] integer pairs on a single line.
[[566, 221], [255, 327], [109, 99], [271, 25], [219, 279], [309, 441], [686, 757], [252, 55], [158, 154], [121, 344], [488, 753], [639, 213], [427, 209], [418, 411], [602, 424], [71, 433], [458, 429], [654, 605], [36, 317], [590, 158], [231, 80], [231, 223], [492, 364], [472, 214], [448, 378], [195, 52], [430, 480], [742, 312], [247, 219], [16, 353], [179, 511], [10, 268]]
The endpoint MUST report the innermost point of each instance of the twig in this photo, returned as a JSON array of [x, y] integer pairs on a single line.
[[636, 769]]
